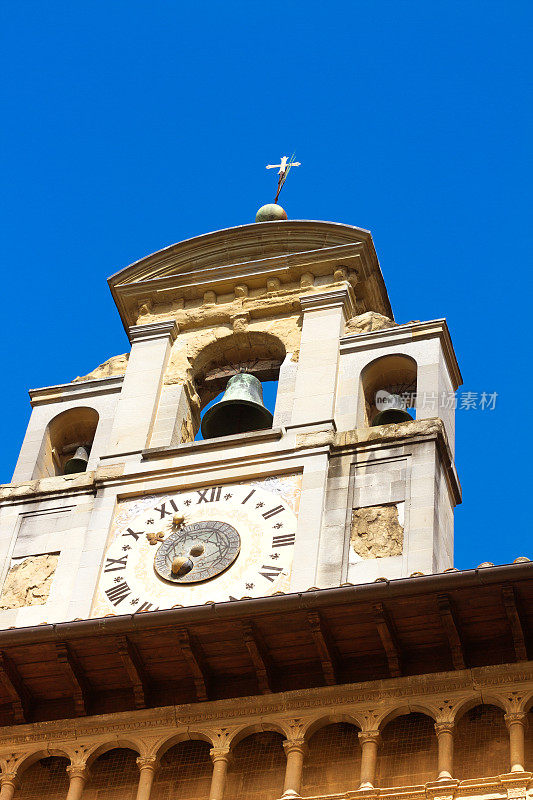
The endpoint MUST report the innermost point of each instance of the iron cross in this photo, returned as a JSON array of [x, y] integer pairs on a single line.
[[283, 170]]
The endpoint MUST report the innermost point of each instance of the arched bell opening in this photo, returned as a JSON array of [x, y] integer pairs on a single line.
[[230, 376], [388, 390], [67, 443]]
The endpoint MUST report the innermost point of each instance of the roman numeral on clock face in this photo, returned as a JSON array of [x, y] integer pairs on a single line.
[[273, 512], [270, 572], [284, 540], [164, 511], [209, 495], [118, 592], [135, 535], [113, 564]]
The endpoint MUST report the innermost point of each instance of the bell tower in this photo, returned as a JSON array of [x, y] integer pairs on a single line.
[[340, 485]]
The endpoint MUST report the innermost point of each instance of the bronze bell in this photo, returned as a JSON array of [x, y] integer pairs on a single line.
[[240, 410], [392, 409], [78, 462]]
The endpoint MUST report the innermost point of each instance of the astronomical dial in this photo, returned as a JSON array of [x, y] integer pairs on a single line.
[[210, 544], [197, 552]]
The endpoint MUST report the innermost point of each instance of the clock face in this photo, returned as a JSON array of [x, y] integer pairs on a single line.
[[210, 544]]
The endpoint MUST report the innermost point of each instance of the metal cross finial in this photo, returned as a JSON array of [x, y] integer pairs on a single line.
[[283, 170]]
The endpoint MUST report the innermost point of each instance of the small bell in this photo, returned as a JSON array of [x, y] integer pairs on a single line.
[[78, 462], [392, 409], [240, 410]]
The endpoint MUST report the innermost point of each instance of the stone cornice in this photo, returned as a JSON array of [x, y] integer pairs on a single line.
[[401, 334], [153, 330], [77, 390]]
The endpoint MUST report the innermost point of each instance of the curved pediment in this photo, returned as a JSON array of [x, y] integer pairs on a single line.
[[216, 262]]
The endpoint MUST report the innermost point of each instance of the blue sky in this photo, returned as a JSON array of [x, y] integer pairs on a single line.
[[130, 125]]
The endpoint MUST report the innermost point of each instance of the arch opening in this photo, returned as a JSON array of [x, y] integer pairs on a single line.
[[408, 752], [184, 771], [388, 390], [113, 774], [67, 442], [257, 771], [45, 779], [333, 761], [481, 743]]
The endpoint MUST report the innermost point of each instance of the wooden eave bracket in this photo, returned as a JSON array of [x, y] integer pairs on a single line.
[[451, 629], [75, 676], [325, 648], [259, 656], [195, 660], [515, 622], [19, 695], [389, 640], [135, 669]]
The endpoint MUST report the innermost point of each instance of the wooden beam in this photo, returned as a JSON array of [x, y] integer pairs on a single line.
[[515, 623], [449, 623], [196, 663], [324, 646], [74, 675], [19, 695], [260, 658], [135, 669], [388, 638]]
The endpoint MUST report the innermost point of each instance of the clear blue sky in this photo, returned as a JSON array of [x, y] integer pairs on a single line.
[[131, 125]]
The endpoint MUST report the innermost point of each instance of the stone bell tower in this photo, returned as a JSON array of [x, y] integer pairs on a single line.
[[208, 598]]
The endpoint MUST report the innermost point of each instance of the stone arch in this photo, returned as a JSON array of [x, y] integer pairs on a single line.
[[257, 767], [477, 700], [183, 736], [273, 726], [73, 427], [407, 754], [257, 352], [396, 373], [29, 759], [402, 711], [333, 760], [481, 742], [314, 725], [112, 744]]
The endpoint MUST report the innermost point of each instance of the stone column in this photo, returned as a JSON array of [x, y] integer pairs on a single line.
[[444, 731], [147, 768], [78, 775], [516, 725], [8, 783], [220, 758], [369, 743], [137, 406], [295, 750], [324, 317]]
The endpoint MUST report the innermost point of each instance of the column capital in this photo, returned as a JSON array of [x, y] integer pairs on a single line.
[[337, 297], [168, 328], [220, 754], [446, 726], [147, 762], [369, 736], [10, 779], [295, 746], [78, 771], [516, 718]]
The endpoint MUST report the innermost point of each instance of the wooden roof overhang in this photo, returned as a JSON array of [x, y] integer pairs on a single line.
[[381, 630]]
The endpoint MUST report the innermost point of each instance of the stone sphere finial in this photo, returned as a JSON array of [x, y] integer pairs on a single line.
[[270, 213]]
